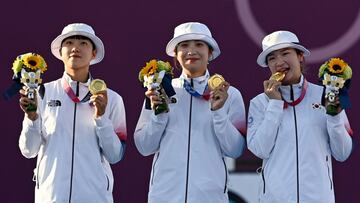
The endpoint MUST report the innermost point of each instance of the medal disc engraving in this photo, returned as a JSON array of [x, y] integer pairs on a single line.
[[96, 86], [215, 81]]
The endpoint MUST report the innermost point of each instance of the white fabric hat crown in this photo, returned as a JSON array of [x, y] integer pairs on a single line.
[[192, 31], [81, 29], [279, 40]]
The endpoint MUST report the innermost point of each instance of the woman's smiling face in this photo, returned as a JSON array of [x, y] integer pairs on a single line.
[[193, 56]]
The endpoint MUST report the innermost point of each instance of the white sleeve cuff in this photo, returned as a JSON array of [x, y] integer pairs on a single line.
[[275, 105], [100, 121], [30, 123], [219, 114], [334, 120], [160, 118]]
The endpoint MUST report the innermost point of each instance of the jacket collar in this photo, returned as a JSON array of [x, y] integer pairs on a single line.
[[72, 82], [200, 83], [200, 79], [297, 88]]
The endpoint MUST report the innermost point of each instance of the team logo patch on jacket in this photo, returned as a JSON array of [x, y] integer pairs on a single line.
[[54, 103], [250, 120]]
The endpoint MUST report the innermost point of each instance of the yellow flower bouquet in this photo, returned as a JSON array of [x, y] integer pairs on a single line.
[[336, 76], [157, 75], [27, 70]]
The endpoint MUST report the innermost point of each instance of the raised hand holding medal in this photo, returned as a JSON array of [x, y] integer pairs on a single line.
[[271, 86], [218, 91], [99, 98]]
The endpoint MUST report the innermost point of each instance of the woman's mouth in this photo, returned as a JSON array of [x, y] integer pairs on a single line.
[[192, 59]]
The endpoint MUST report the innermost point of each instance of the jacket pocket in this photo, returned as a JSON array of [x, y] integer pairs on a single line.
[[329, 172], [108, 182], [226, 175], [153, 168]]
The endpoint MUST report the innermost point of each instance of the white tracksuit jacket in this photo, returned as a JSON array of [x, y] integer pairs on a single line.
[[297, 145], [73, 150], [189, 143]]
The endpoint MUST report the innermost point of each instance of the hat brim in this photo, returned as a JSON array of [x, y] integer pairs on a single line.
[[170, 47], [100, 50], [261, 60]]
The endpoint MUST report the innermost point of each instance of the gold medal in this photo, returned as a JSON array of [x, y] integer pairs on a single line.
[[97, 86], [278, 76], [215, 81]]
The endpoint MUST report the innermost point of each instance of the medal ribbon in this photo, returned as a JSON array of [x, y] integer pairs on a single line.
[[302, 95], [71, 93], [187, 86]]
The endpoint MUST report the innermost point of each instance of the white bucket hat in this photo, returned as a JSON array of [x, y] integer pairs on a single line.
[[279, 40], [192, 31], [81, 29]]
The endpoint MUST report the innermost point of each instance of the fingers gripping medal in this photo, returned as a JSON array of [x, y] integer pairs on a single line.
[[97, 86], [215, 81], [278, 76]]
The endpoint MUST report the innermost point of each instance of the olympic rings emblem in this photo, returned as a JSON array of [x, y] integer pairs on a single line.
[[318, 54]]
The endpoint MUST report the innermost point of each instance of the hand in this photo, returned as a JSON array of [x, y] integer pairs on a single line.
[[99, 101], [271, 89], [333, 108], [219, 96], [153, 95], [24, 102]]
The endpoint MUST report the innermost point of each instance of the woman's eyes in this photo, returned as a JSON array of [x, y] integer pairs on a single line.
[[270, 58], [199, 44], [69, 42], [183, 45], [285, 53]]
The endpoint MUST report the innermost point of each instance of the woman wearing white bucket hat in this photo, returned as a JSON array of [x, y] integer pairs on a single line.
[[200, 129], [74, 134], [289, 129]]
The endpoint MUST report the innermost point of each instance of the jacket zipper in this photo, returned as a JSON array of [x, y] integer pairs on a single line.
[[73, 144], [153, 168], [188, 156], [297, 147], [263, 178], [327, 164], [226, 175]]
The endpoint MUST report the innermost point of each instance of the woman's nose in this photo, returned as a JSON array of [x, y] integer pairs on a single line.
[[279, 63], [191, 53], [74, 49]]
